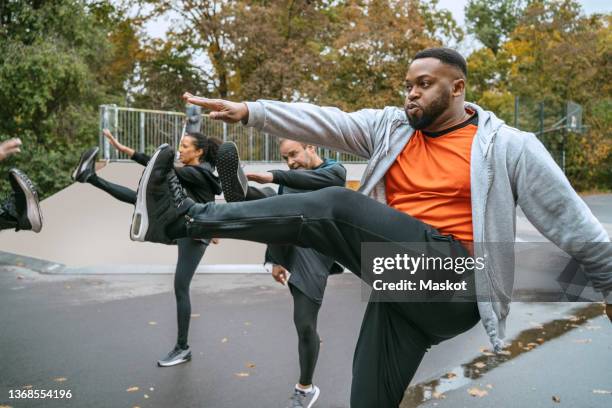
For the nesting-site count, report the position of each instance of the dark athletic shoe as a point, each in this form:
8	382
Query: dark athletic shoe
160	200
24	202
87	165
301	399
234	182
175	357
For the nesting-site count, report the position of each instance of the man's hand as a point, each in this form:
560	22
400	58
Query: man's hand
279	274
609	311
9	147
227	111
261	178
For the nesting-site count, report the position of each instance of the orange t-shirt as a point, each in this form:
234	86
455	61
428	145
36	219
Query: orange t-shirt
430	179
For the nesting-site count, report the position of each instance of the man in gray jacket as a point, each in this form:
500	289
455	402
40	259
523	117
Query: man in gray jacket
494	168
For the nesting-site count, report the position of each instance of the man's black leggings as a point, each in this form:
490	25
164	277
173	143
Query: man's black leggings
305	313
335	221
190	253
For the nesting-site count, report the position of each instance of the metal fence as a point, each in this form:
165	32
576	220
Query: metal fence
144	130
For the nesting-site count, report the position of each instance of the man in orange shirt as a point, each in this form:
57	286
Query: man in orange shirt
440	170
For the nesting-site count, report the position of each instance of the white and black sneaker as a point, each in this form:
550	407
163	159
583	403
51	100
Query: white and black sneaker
234	182
175	357
304	399
160	200
25	201
87	165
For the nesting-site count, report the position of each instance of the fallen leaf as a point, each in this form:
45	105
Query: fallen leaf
582	341
556	399
480	364
132	389
490	386
438	395
146	396
540	340
224	340
60	379
532	344
504	353
27	387
195	315
536	325
242	374
19	277
602	392
477	392
152	323
573	318
250	365
450	375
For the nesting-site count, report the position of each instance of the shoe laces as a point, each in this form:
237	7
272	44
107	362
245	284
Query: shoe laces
28	182
297	399
176	189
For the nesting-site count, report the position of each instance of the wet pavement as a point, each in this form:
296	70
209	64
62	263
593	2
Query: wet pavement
99	337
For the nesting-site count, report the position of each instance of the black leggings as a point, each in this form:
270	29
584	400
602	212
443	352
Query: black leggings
190	253
305	312
336	221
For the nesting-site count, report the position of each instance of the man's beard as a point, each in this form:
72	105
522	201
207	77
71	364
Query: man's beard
429	115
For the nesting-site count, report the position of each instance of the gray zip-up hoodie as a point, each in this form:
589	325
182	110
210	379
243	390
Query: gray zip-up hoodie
508	167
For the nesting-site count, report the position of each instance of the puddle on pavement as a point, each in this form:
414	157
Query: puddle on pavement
526	341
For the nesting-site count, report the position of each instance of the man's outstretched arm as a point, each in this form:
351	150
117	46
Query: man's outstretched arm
323	126
311	179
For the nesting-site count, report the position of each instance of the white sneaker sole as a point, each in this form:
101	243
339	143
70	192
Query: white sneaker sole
140	218
315	397
32	205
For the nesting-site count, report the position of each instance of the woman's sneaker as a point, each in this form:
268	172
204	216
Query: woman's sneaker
160	199
303	399
24	201
87	165
175	357
234	182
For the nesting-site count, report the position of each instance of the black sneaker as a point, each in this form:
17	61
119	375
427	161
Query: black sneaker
175	357
160	200
234	182
25	201
87	165
301	399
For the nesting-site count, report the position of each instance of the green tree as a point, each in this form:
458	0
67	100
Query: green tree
491	21
52	80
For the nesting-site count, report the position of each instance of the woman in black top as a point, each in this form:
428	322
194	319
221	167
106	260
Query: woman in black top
198	155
